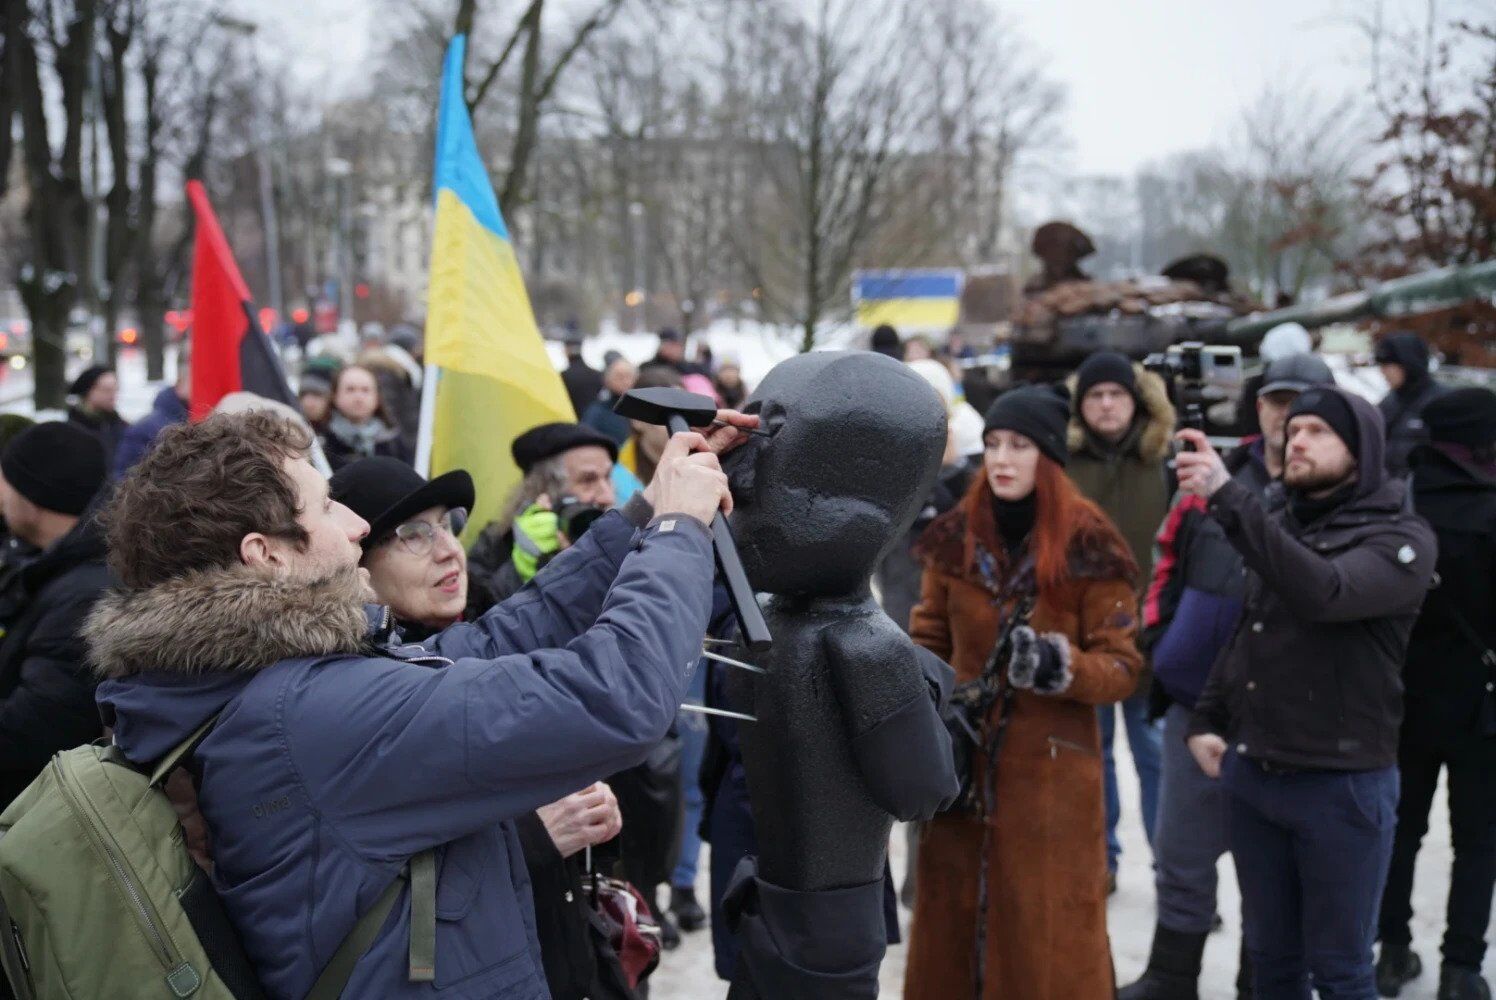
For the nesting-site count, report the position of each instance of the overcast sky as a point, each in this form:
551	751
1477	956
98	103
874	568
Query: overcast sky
1144	78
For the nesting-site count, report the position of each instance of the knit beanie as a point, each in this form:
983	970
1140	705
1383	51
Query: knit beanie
1039	413
1105	366
86	379
1462	416
57	466
1334	409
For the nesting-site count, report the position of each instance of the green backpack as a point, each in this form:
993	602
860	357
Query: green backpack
99	897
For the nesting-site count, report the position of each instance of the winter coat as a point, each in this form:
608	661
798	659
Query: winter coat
1046	926
583	383
1402	408
1311	678
334	760
341	448
46	686
107	428
1198	585
600	417
1446	683
137	439
1129	480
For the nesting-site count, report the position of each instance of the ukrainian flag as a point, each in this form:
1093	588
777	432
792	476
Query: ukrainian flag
907	299
489	378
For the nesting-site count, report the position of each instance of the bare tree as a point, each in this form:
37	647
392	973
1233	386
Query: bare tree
60	37
1433	183
829	108
991	105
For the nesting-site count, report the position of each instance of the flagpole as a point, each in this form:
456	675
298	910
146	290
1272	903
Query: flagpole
428	420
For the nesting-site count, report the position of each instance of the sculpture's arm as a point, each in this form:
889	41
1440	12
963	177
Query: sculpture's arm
889	697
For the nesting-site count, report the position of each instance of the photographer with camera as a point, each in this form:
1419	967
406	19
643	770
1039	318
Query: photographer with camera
567	486
1023	539
1188	616
1300	715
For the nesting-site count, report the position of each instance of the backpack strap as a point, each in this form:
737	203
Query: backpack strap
422	877
420	872
180	752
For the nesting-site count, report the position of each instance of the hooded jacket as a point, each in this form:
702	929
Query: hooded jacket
137	439
46	688
1402	408
1312	676
1128	480
335	758
1447	684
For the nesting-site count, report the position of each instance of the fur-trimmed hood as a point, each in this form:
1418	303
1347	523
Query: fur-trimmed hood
236	620
1157	413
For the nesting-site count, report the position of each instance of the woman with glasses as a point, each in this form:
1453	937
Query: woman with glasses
418	569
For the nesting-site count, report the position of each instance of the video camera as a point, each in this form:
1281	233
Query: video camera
573	517
1198	375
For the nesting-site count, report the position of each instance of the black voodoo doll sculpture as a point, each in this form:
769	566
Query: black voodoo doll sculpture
848	736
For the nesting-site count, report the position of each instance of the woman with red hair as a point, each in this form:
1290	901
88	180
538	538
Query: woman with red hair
1012	904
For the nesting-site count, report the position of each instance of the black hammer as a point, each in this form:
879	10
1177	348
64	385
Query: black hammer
680	410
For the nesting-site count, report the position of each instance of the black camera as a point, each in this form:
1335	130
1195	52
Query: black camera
1198	375
573	517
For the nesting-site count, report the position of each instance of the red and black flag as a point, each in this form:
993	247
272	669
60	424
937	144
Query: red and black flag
230	351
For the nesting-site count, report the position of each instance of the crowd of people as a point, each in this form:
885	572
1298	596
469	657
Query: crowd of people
1297	635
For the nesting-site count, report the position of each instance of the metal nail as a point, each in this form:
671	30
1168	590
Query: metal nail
709	641
689	707
733	663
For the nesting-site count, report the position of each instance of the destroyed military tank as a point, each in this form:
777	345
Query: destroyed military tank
1064	314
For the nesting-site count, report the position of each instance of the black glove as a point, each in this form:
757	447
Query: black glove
1040	663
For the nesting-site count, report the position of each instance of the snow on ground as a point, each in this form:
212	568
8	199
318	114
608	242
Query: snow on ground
686	973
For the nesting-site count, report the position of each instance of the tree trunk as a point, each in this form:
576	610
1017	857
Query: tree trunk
529	116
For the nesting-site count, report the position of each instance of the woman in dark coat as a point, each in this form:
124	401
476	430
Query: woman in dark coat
1023	532
360	426
95	393
418	568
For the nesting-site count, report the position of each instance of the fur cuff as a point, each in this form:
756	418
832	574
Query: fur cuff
1040	663
1054	674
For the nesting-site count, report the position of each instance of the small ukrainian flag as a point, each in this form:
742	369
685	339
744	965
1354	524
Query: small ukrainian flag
908	299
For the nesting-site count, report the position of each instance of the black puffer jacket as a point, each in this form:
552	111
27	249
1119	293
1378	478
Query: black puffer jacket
46	687
1446	681
1312	677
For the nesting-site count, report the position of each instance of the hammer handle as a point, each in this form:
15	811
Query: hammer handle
755	631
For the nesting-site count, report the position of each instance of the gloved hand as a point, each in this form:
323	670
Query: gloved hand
1040	663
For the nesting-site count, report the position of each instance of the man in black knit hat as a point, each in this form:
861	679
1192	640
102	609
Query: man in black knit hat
1449	683
1119	447
1300	716
50	475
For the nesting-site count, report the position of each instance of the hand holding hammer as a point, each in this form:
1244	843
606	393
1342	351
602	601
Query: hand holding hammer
679	410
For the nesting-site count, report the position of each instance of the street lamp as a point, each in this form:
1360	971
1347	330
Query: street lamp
340	170
247	29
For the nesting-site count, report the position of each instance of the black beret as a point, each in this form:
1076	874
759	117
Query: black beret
548	440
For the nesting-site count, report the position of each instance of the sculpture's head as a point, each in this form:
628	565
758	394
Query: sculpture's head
854	442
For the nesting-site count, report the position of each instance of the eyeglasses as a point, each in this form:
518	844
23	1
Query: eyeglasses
419	536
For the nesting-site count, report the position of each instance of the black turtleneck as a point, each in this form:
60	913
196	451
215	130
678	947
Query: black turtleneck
1306	509
1015	519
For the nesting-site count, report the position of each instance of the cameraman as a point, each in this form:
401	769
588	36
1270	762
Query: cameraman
1307	695
564	465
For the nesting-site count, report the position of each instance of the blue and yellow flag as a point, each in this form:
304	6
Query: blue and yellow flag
488	377
910	299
